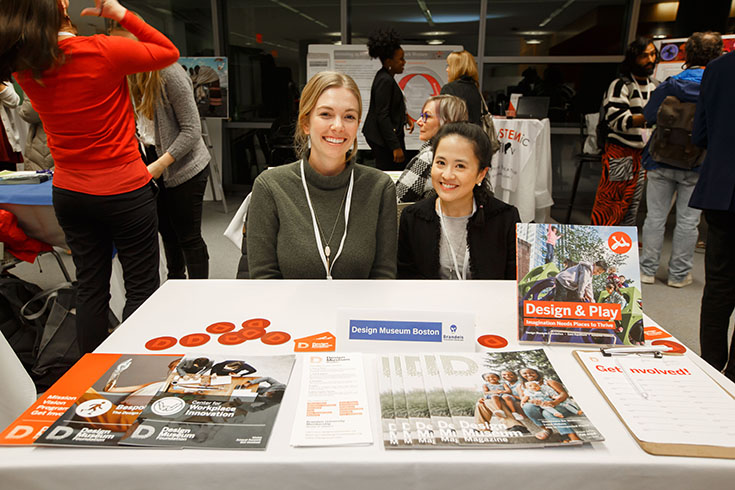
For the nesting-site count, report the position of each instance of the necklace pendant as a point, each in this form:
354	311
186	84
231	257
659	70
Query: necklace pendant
327	251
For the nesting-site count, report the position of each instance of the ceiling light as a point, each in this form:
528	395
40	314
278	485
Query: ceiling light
533	41
659	36
299	12
425	10
555	13
435	41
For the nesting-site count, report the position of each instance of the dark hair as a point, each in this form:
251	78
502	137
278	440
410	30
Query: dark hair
635	49
703	47
383	44
28	38
601	264
473	133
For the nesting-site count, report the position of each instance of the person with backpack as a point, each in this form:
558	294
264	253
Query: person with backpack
672	162
621	183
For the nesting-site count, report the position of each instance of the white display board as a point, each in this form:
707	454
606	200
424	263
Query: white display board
423	76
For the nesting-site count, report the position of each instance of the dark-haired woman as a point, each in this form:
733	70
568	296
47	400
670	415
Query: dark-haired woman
103	193
383	128
464	233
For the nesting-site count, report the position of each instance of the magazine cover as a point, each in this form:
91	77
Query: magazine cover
215	402
406	432
441	418
416	403
578	284
387	407
84	408
511	399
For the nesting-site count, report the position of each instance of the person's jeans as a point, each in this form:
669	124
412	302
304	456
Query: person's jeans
663	183
93	225
537	414
180	225
718	300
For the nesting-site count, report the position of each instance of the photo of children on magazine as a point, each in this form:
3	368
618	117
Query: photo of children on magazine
513	397
578	284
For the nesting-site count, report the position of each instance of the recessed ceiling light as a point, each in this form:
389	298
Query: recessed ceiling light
435	41
533	41
659	36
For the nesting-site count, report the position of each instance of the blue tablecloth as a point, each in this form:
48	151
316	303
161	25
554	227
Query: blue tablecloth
31	194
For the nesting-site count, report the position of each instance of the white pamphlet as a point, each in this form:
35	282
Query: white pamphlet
333	407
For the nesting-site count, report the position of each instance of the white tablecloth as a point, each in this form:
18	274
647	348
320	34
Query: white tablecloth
521	169
306	307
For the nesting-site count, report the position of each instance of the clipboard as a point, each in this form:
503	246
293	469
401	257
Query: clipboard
659	448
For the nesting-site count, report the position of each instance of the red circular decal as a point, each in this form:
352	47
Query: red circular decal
194	340
221	327
256	322
674	347
231	338
492	341
252	333
160	343
275	338
619	242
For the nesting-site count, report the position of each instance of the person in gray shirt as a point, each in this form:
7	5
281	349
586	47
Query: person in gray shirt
575	283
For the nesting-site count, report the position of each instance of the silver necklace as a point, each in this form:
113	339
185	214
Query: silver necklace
325	243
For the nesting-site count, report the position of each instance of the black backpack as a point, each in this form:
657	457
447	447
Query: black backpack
671	142
23	335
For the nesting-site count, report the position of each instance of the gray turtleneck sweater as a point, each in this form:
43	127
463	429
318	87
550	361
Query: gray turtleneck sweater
280	231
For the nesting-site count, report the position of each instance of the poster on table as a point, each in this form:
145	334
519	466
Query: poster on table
211	88
672	53
423	76
578	284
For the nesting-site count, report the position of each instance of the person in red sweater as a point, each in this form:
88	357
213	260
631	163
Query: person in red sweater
103	193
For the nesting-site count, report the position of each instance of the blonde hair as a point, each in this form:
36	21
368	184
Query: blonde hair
146	92
462	63
320	83
450	108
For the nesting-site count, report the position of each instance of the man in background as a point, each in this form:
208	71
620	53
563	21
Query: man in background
714	129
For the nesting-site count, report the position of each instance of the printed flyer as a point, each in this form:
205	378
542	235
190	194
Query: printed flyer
578	284
215	402
94	403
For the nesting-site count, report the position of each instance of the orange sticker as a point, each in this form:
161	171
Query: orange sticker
619	242
256	322
231	338
492	341
275	338
252	333
321	342
160	343
220	327
194	339
674	347
652	332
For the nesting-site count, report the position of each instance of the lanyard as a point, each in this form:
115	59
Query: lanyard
640	90
327	265
466	264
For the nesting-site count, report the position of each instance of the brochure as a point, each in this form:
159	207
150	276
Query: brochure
417	406
93	403
578	284
215	402
333	404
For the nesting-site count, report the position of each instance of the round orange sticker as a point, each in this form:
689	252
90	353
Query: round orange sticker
220	327
194	340
231	338
251	333
619	242
675	347
275	338
256	322
492	341
160	343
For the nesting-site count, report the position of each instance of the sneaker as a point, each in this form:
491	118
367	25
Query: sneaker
680	284
645	279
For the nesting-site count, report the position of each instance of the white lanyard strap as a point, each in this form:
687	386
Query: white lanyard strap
466	264
319	245
648	90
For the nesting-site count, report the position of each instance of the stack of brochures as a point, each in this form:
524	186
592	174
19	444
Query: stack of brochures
23	177
479	400
202	401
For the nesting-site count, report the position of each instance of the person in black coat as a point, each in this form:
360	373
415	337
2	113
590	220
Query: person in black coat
715	194
463	232
463	82
383	128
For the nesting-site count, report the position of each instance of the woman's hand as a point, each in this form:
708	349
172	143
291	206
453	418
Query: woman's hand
409	123
156	168
398	156
109	9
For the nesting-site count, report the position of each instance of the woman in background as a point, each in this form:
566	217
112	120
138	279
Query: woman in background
324	216
37	153
383	128
167	116
463	233
10	146
464	82
414	183
103	193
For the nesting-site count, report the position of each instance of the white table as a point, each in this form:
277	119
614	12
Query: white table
306	307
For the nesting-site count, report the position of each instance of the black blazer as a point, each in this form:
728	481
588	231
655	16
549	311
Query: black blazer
465	88
713	129
387	113
491	233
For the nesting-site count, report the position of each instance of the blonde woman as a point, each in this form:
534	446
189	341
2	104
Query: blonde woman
324	216
464	82
169	126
